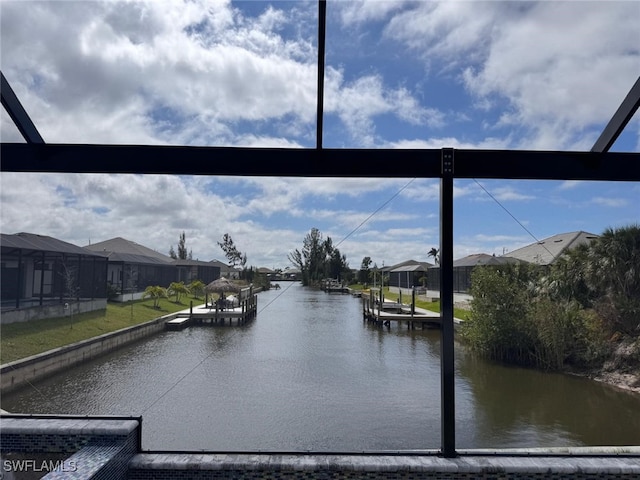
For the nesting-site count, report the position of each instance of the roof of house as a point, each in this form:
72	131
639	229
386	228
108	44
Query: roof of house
186	262
119	249
547	251
476	259
42	243
223	266
408	266
417	267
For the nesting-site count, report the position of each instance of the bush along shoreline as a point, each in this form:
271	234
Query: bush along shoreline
580	315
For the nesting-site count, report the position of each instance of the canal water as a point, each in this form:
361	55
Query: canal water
309	374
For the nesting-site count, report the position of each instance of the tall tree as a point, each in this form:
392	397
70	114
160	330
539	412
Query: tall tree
335	264
235	256
182	247
365	270
310	259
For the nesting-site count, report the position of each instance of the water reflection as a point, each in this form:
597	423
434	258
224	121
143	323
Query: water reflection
521	407
309	373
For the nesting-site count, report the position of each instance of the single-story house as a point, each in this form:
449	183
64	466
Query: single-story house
191	270
408	274
463	267
133	267
544	252
226	271
49	277
292	274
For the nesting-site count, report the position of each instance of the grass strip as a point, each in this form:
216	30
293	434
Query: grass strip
23	339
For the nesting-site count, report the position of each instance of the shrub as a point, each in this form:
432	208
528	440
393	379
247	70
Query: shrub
498	325
555	325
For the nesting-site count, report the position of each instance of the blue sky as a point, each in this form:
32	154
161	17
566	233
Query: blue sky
463	74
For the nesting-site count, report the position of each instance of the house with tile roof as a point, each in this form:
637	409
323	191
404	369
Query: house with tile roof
547	251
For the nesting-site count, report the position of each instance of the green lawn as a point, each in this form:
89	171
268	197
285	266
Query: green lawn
20	340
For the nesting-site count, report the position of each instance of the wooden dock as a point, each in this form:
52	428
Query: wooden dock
380	312
384	313
213	314
334	286
179	322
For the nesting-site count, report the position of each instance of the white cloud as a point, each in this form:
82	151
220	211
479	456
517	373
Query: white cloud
552	62
182	73
609	202
554	66
450	142
499	238
509	193
570	184
357	103
415	232
423	190
153	72
360	11
456	31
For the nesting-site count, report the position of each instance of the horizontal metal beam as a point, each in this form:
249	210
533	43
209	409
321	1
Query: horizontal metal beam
218	160
547	165
372	163
619	121
17	112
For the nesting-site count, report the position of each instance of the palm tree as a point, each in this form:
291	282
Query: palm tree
178	289
617	261
605	275
196	288
435	253
156	292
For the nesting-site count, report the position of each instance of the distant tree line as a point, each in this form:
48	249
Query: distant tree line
572	313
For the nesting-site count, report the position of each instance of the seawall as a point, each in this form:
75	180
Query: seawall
21	372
